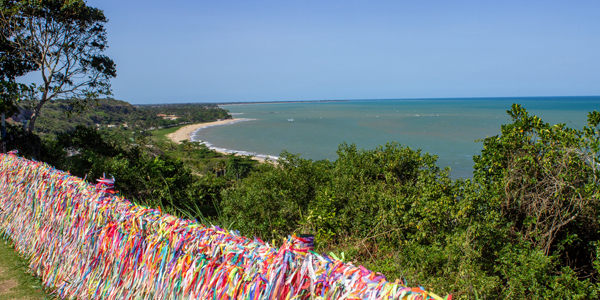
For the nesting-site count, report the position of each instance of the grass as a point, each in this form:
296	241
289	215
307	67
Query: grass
196	157
160	135
15	282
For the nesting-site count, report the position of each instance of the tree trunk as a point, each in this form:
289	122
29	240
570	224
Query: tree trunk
31	124
36	113
3	134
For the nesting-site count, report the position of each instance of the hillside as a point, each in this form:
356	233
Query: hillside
58	116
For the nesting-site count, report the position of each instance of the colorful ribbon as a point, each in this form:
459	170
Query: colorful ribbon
86	243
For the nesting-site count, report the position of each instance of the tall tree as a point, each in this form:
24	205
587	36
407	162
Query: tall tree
12	65
65	41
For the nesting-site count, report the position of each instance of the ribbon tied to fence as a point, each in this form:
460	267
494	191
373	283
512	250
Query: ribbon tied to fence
87	243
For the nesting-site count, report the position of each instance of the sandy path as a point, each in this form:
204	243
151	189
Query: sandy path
184	133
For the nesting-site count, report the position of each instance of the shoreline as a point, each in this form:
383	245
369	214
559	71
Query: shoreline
185	132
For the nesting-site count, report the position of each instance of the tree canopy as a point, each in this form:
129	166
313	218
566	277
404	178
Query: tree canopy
62	39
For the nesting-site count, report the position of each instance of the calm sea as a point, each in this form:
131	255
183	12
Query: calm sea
447	128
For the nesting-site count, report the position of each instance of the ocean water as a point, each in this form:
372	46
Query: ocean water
447	128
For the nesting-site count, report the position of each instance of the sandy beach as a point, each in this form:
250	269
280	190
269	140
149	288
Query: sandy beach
184	132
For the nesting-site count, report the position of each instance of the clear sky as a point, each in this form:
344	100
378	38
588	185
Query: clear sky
221	51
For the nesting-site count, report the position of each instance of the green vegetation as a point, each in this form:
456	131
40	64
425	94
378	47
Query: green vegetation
526	225
160	135
186	112
15	281
63	40
108	114
155	175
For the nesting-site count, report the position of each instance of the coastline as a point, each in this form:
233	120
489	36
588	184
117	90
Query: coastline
185	132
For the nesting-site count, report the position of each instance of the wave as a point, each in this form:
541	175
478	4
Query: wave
193	134
226	150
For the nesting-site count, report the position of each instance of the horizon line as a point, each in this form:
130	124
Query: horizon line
356	99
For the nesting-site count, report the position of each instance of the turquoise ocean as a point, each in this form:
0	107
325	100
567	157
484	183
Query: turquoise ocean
447	128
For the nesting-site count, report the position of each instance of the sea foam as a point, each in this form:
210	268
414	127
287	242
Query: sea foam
194	137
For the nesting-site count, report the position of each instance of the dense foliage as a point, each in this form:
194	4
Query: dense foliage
526	225
186	112
65	41
60	116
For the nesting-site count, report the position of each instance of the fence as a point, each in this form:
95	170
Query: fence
89	244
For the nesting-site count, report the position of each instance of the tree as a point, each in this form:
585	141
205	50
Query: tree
64	40
12	65
545	175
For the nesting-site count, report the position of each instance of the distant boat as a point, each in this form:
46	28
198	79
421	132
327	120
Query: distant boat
291	120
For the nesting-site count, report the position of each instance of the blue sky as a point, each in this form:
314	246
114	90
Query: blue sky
222	51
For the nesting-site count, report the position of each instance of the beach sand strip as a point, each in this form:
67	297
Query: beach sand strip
185	132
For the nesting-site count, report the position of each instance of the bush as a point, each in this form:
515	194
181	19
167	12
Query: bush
271	201
377	194
153	180
543	180
525	227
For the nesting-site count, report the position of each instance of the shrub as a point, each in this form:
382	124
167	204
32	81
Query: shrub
272	200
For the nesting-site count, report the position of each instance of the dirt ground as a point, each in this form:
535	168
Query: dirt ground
6	284
15	282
